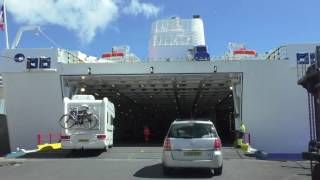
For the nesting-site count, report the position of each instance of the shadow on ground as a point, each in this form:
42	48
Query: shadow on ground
138	145
304	174
59	154
155	171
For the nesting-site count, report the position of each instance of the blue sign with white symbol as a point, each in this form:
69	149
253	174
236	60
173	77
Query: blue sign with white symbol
32	63
19	57
303	58
45	62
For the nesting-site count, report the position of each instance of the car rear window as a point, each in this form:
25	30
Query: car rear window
192	130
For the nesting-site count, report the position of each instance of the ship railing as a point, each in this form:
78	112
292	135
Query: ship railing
280	53
69	57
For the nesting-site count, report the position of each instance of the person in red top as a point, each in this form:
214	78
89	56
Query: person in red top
146	133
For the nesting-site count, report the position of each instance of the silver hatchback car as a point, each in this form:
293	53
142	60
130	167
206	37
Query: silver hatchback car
192	144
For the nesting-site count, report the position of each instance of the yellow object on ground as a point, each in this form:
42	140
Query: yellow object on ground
245	147
44	147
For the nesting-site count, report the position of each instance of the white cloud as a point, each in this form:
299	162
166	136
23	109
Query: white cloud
136	7
84	17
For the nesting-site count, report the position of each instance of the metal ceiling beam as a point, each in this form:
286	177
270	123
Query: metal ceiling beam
196	98
168	91
174	84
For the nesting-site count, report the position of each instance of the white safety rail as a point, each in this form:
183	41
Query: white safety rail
66	57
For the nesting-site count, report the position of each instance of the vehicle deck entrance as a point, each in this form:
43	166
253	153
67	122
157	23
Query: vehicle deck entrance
155	100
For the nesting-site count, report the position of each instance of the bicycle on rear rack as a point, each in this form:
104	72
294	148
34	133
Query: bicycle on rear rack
82	118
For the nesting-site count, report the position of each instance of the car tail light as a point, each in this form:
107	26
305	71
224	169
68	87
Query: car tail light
167	144
65	138
217	144
101	136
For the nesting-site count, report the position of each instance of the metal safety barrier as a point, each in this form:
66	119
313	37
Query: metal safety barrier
48	138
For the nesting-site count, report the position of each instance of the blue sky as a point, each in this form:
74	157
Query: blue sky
260	24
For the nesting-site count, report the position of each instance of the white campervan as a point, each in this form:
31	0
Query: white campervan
87	123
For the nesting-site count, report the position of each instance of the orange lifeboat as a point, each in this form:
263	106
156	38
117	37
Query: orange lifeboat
244	51
112	54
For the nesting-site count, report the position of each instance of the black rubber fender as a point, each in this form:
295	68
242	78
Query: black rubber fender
316	172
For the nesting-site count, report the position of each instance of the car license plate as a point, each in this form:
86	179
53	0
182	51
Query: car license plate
83	140
192	153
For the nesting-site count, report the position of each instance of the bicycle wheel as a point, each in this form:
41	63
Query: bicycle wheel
66	121
90	121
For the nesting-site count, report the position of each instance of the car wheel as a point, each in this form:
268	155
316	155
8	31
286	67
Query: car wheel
166	170
217	171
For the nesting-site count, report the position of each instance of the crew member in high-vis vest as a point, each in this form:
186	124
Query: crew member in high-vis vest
242	131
